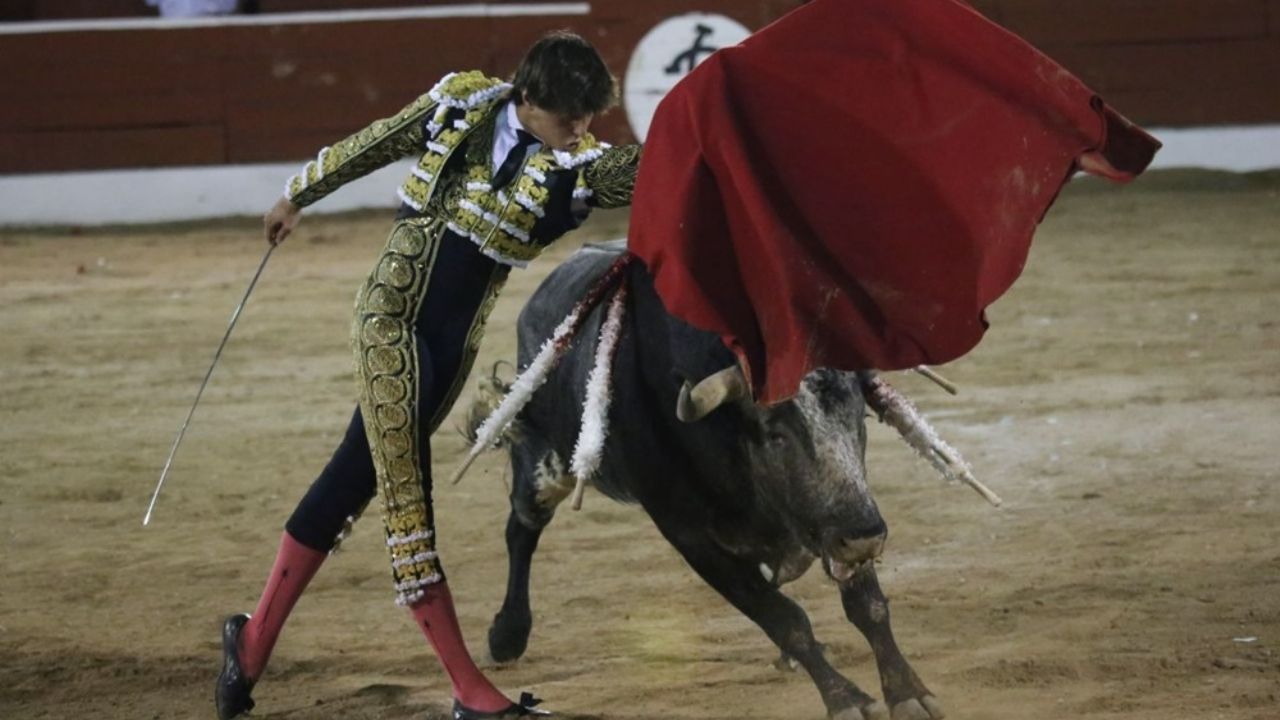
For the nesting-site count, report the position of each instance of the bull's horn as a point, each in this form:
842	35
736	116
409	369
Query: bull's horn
697	401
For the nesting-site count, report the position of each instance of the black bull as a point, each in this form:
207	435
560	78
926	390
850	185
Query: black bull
750	497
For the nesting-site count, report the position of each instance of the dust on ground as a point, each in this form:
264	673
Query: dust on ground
1125	404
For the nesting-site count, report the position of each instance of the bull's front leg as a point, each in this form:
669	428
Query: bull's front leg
538	486
866	607
509	633
740	582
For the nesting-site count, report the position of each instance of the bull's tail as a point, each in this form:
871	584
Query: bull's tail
489	393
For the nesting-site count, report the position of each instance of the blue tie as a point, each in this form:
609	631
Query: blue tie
507	172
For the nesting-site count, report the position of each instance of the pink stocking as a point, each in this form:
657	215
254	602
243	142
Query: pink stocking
435	615
295	565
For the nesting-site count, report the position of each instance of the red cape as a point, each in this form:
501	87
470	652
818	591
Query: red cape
852	186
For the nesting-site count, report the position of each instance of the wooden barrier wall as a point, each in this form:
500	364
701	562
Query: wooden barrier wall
1162	62
261	93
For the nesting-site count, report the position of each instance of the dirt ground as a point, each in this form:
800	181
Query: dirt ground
1126	405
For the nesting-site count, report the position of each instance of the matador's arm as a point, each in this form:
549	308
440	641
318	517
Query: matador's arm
612	177
380	144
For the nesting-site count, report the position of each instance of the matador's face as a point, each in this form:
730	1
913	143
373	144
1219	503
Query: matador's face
555	130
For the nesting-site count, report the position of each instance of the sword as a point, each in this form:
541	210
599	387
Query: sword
230	326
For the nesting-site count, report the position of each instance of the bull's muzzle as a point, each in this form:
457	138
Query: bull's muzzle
861	549
851	555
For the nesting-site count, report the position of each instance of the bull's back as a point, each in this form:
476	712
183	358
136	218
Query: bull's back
553	418
560	292
655	353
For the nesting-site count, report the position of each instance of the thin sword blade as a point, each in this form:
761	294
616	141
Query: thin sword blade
183	431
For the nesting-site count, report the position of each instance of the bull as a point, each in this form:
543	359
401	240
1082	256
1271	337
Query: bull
750	496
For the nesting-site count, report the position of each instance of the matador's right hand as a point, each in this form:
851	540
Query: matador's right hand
280	220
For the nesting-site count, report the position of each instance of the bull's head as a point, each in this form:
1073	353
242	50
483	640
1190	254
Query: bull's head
806	459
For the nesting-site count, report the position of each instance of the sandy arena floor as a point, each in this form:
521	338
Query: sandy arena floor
1126	404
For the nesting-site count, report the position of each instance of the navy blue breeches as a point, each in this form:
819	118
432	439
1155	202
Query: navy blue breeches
461	282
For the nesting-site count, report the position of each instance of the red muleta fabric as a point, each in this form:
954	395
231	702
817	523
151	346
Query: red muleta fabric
853	185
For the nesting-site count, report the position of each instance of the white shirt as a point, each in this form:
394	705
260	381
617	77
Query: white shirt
505	137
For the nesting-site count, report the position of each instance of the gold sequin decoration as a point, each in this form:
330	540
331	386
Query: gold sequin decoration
396	442
386	301
380	144
385	361
394	270
401	469
407	240
387	390
612	177
381	331
390	416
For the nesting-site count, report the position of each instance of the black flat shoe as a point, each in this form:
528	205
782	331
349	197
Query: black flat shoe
231	694
524	708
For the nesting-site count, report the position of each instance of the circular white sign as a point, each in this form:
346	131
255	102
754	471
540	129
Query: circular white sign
669	51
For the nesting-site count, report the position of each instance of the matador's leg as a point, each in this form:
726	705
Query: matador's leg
419	323
410	373
390	376
339	495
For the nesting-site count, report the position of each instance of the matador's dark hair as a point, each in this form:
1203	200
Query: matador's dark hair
564	74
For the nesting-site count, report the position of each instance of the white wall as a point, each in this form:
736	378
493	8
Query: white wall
139	196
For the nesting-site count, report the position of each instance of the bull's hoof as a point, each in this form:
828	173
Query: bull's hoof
785	663
873	711
509	637
925	707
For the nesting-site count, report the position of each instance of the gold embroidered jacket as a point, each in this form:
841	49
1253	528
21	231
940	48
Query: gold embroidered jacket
451	179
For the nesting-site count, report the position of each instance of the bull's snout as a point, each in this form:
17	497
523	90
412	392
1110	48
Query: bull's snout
858	538
846	556
852	551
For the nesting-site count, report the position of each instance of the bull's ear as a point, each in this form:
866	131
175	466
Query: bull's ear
697	401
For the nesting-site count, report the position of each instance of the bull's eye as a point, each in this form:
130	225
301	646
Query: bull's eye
775	438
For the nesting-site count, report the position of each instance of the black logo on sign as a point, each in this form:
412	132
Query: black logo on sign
689	58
